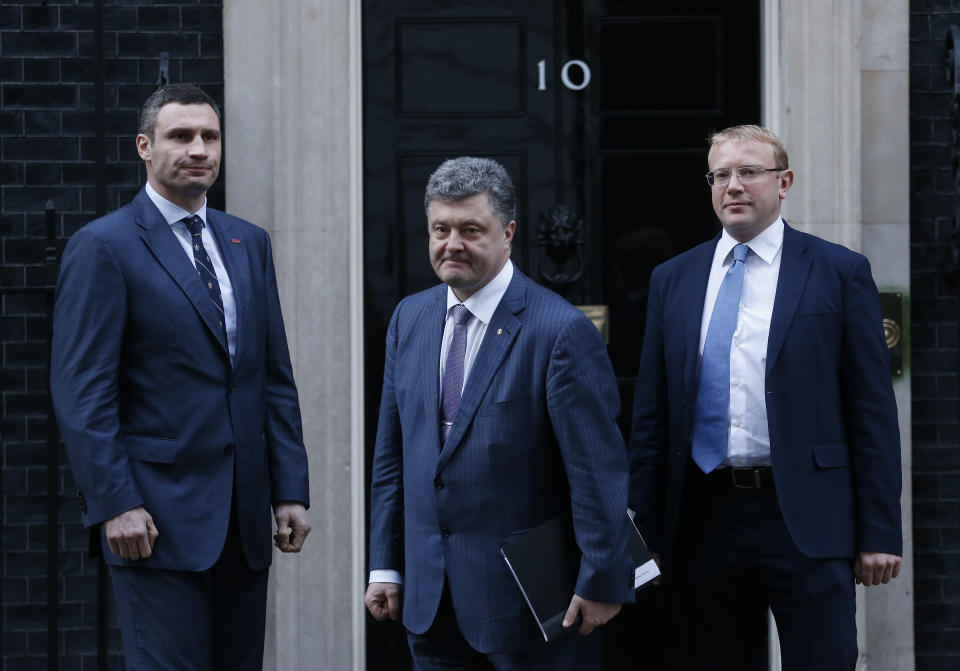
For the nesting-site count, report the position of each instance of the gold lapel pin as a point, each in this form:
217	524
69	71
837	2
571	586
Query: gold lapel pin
499	331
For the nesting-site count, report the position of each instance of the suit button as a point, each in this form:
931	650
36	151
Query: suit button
228	448
438	483
445	532
230	387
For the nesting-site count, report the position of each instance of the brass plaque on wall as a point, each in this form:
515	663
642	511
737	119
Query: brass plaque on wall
600	316
892	305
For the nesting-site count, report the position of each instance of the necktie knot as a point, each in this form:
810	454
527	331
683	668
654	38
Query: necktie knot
461	315
194	224
740	252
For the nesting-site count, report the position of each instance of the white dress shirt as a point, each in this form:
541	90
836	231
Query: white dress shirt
173	214
749	437
481	305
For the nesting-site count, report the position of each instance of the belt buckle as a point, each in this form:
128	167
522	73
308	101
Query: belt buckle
756	484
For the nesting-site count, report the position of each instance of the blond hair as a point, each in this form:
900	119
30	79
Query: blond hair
752	132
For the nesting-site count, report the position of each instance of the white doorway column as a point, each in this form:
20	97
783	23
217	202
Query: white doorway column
836	91
292	153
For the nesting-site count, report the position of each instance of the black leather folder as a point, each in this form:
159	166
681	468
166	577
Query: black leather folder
545	562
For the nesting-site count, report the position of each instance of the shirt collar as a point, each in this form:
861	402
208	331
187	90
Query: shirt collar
765	245
174	213
484	303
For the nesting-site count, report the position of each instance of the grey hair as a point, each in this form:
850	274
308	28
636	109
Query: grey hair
467	176
184	94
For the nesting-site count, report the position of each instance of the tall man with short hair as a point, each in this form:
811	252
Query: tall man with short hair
175	396
765	451
498	413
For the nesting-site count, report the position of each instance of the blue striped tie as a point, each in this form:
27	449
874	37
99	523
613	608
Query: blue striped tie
205	268
709	447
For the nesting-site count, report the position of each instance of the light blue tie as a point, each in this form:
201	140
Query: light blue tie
713	395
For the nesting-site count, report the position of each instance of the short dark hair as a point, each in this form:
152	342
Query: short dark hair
184	94
467	176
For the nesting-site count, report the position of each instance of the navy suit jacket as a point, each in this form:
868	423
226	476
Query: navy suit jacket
151	410
535	436
834	437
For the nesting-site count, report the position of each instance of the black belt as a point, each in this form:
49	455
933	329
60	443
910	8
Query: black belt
758	477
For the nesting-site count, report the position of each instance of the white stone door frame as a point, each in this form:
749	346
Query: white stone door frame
293	151
835	88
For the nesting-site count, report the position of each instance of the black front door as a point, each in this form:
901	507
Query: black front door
599	109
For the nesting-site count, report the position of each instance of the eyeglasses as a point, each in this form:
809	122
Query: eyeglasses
746	174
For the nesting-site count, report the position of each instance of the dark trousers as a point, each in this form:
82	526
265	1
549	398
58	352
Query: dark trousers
443	648
739	559
210	620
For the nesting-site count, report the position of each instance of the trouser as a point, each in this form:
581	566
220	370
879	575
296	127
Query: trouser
736	559
443	647
209	620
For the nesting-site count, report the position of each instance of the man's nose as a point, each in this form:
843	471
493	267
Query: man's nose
454	240
734	184
197	147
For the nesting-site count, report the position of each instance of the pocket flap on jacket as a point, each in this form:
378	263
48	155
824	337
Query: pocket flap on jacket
831	455
150	448
504	405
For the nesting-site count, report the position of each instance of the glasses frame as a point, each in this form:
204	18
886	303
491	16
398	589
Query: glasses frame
737	171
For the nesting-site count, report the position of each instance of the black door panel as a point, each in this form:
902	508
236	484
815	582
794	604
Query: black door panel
625	153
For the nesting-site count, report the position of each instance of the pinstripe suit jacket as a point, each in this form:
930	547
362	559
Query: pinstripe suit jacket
535	436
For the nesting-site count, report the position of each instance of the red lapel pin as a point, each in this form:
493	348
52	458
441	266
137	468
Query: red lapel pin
235	241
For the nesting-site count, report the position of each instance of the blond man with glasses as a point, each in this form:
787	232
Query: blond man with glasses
765	450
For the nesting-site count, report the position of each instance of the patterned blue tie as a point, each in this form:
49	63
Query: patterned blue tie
205	268
453	371
713	395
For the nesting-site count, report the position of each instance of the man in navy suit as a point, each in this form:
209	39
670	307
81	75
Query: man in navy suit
498	413
765	451
175	396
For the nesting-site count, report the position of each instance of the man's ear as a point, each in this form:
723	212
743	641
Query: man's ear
508	232
143	146
786	181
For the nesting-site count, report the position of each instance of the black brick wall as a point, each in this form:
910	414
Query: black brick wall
47	151
935	323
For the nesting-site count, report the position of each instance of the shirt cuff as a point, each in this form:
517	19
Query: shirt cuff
386	575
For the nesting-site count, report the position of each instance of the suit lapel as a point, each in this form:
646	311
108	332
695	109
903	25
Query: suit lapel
234	255
795	265
432	337
693	293
164	245
499	336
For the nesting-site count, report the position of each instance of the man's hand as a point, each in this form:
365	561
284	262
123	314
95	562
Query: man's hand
383	600
292	526
873	568
131	534
594	613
